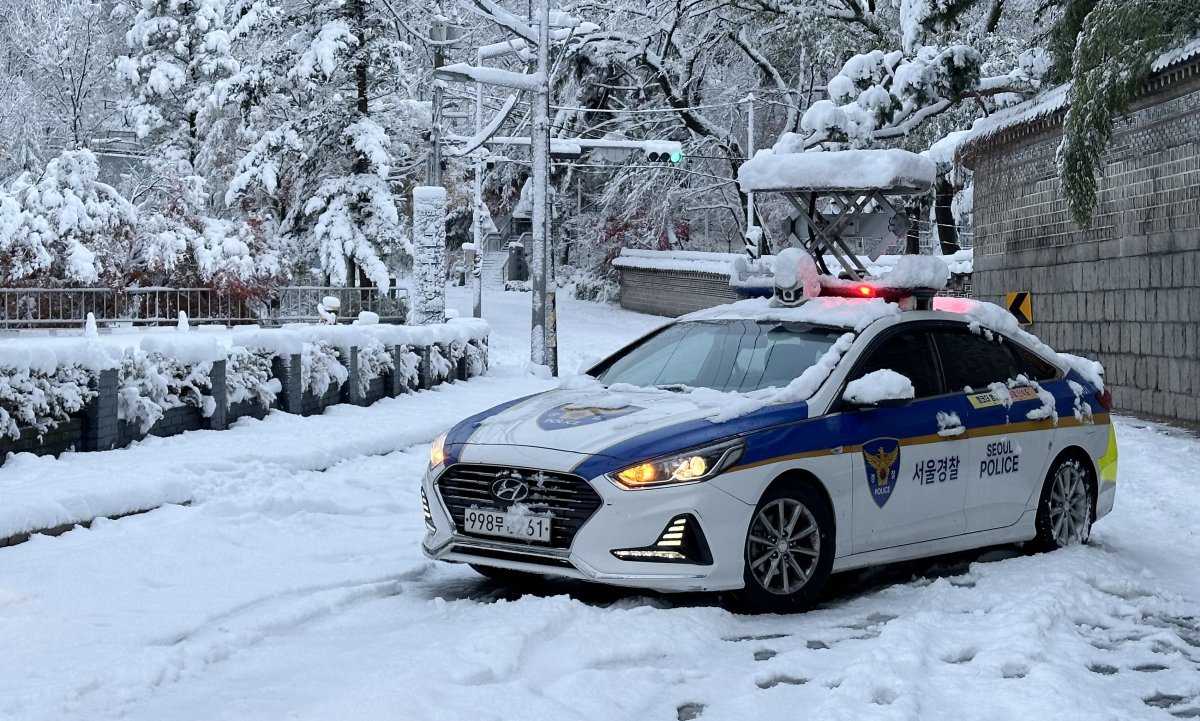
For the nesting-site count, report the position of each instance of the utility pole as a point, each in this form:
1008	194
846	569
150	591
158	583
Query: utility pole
477	209
750	154
544	340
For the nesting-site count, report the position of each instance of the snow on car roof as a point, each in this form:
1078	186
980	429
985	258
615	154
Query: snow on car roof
892	170
853	313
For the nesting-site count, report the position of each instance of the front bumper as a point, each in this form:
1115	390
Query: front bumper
624	520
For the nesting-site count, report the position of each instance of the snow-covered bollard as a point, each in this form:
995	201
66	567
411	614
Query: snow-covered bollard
181	322
89	326
366	317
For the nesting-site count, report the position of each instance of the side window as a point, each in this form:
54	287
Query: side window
972	361
1032	365
909	354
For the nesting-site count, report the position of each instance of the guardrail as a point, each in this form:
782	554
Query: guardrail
69	307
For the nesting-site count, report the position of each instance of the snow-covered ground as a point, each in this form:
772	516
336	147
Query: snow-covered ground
293	587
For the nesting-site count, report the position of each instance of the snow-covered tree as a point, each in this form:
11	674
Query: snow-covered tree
1117	44
179	49
55	79
63	224
327	106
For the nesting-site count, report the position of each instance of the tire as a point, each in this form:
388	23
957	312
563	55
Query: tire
1065	508
788	550
506	576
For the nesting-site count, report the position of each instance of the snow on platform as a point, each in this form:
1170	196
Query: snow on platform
892	171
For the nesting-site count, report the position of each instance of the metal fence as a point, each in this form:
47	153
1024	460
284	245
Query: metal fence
69	307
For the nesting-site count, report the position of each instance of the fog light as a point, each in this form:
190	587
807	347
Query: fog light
428	516
681	541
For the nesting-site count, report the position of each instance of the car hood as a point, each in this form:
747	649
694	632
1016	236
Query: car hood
626	425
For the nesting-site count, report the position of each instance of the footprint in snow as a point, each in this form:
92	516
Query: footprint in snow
963	656
774	681
765	654
1015	670
689	711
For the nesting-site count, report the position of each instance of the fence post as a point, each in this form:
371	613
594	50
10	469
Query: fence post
219	420
287	370
101	428
351	392
462	372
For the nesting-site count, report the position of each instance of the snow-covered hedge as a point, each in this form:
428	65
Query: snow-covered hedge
43	381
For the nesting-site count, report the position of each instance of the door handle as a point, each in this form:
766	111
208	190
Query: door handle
952	432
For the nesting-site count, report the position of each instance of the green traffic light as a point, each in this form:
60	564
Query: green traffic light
677	156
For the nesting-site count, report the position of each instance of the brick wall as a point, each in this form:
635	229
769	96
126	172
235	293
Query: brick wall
1127	290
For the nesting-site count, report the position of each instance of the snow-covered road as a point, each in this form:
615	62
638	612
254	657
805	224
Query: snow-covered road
293	587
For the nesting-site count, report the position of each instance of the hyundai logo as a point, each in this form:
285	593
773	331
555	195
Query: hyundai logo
512	490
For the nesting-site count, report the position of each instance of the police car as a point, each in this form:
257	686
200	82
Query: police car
763	445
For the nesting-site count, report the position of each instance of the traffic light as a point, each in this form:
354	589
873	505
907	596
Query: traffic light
663	151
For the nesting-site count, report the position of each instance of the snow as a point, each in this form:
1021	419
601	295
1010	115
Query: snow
795	268
841	170
959	262
293	587
916	271
853	313
880	385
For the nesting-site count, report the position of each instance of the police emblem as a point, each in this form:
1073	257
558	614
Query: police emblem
569	416
882	459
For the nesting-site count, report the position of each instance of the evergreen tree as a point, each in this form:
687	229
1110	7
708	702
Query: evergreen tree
328	112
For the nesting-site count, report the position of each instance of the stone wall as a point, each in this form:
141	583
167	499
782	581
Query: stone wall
1127	290
672	292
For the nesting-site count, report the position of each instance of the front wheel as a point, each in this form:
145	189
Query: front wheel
1064	516
789	550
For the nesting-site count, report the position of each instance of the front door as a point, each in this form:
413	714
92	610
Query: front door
909	462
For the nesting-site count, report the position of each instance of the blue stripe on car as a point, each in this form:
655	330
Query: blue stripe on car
461	433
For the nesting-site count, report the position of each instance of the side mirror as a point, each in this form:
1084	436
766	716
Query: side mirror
881	389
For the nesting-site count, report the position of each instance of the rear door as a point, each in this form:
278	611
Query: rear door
1010	432
908	468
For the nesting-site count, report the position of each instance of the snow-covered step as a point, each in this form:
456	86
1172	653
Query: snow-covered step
493	270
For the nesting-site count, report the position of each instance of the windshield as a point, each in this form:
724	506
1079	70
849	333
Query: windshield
725	355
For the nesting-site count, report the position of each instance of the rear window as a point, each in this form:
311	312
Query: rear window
725	355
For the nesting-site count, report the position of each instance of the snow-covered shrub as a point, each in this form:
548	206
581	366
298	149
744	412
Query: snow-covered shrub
409	368
476	362
591	286
150	384
248	377
521	286
374	360
320	367
439	363
35	399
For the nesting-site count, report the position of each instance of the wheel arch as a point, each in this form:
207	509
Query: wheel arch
803	477
1081	455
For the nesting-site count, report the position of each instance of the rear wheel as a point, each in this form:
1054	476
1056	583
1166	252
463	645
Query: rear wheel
1064	516
788	550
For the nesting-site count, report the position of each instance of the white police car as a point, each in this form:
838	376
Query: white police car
758	448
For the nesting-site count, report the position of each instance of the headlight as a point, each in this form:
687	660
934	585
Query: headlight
691	466
437	453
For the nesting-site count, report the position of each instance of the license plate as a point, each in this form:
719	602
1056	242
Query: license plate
497	523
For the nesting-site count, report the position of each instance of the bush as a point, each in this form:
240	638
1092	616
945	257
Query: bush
41	401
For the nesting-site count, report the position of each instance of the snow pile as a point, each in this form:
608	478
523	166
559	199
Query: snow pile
877	386
917	271
690	261
841	170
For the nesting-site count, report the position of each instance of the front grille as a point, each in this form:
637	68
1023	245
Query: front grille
567	498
